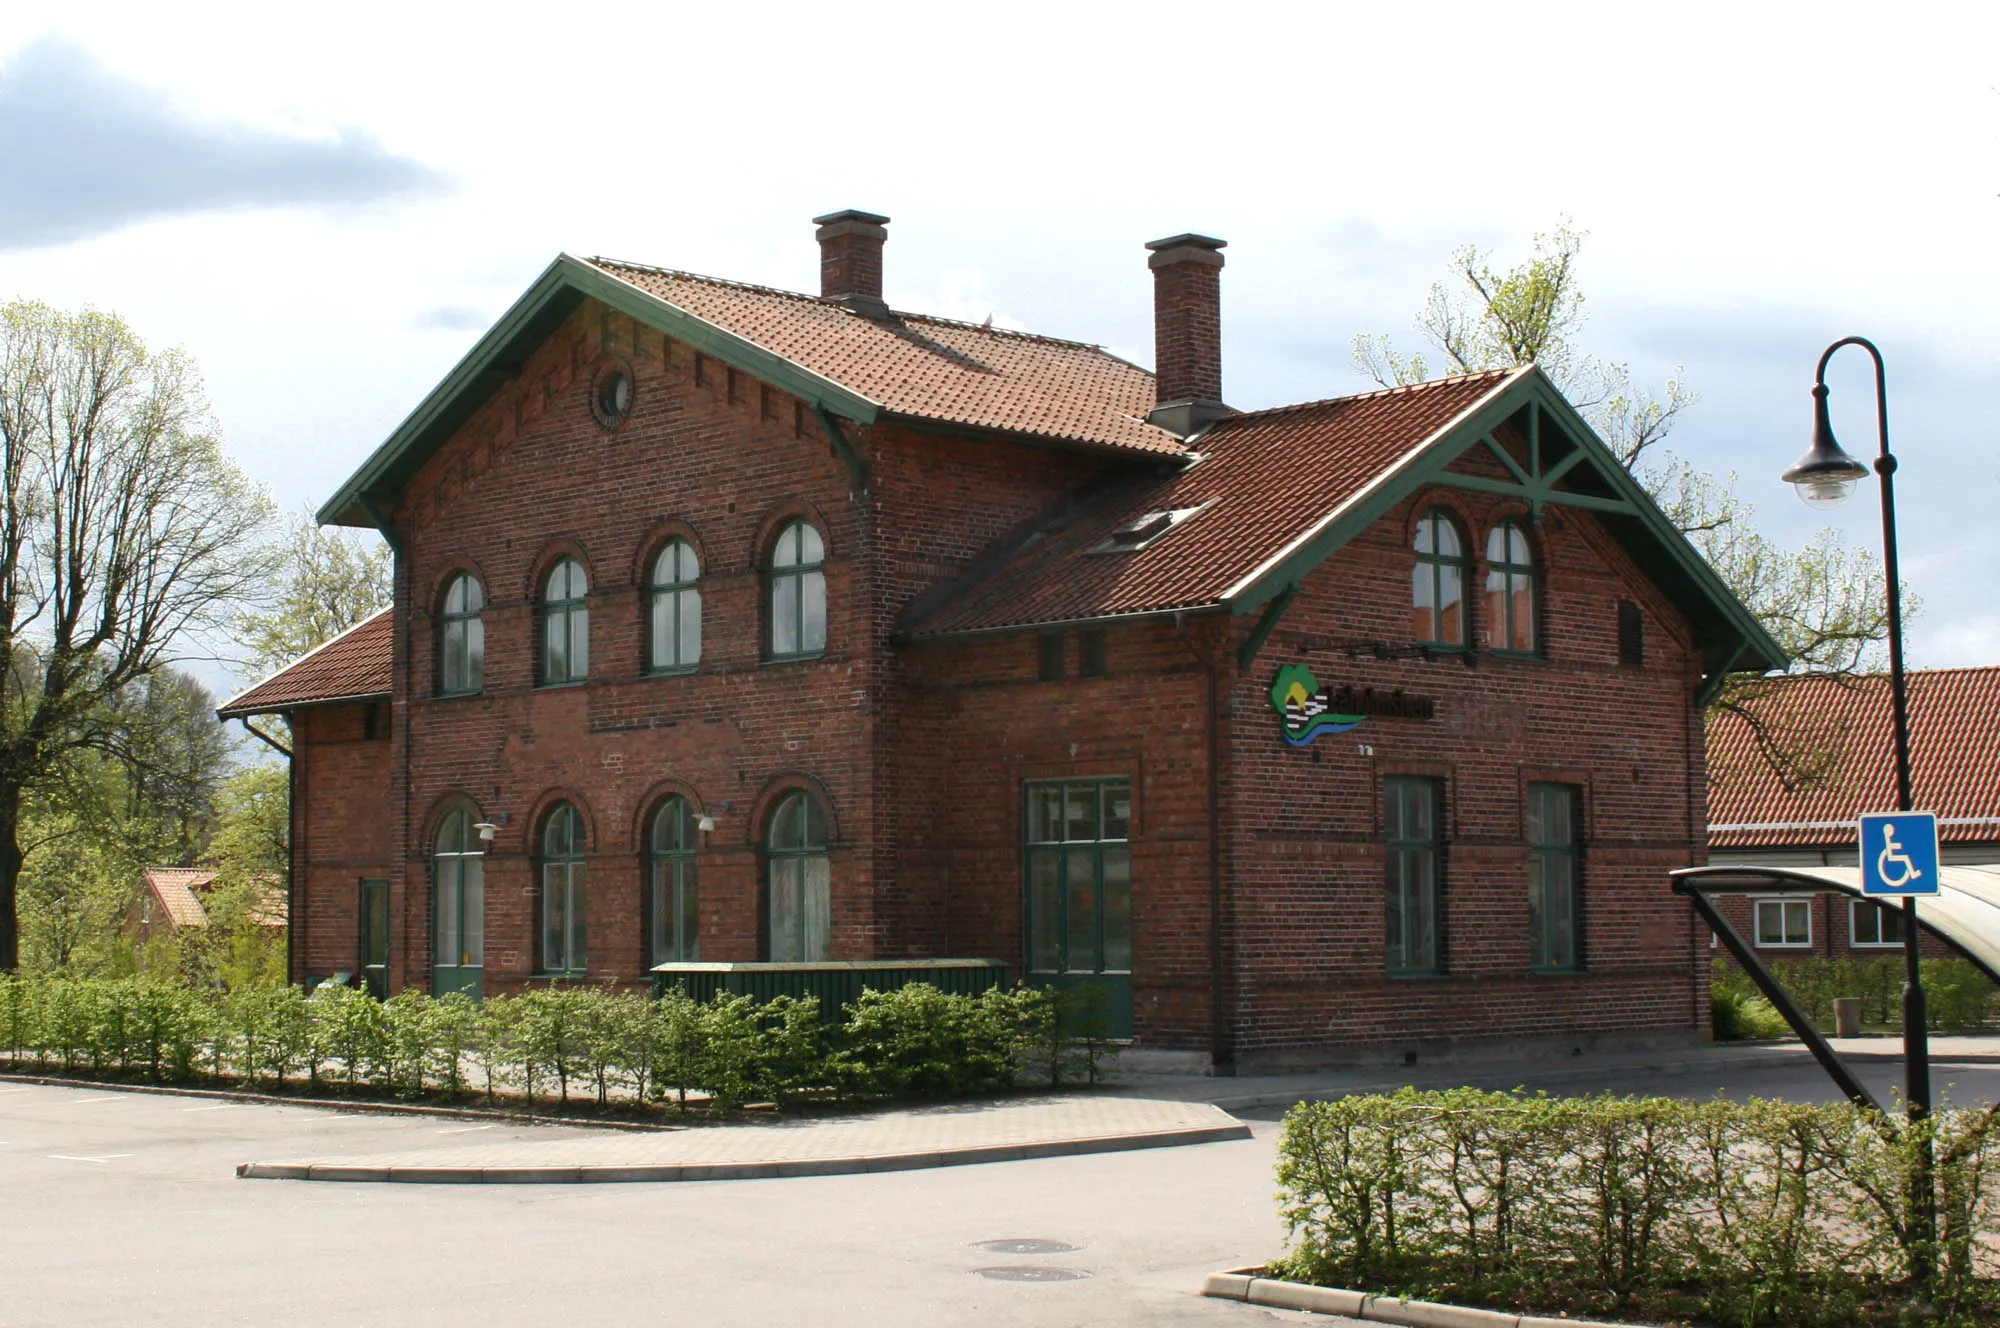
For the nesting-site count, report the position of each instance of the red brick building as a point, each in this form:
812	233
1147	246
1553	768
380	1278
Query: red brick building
750	625
1788	790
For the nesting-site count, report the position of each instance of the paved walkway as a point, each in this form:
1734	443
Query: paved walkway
1619	1071
950	1134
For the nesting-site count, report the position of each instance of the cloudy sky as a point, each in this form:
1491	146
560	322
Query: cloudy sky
326	206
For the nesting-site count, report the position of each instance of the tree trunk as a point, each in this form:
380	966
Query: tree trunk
10	878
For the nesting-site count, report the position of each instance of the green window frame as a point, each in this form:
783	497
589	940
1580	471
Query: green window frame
1511	590
1413	941
1555	879
673	921
565	877
565	624
797	596
798	901
1437	582
458	893
462	638
1077	845
374	912
673	637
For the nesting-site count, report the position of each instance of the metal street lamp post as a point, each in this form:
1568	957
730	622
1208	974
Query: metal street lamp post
1824	477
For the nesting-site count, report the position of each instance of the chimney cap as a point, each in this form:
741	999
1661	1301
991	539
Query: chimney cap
851	214
1188	240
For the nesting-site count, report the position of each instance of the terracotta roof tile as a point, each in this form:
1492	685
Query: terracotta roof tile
1265	481
1954	760
931	368
353	665
175	888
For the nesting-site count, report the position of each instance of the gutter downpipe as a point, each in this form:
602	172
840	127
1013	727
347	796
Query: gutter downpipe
1221	1040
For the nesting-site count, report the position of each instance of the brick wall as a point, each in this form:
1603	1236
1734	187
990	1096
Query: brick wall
342	833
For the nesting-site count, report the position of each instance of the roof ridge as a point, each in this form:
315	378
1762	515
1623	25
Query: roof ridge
331	640
1399	390
828	302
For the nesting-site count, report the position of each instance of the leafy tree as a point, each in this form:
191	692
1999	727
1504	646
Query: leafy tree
329	580
243	944
1821	603
172	752
124	533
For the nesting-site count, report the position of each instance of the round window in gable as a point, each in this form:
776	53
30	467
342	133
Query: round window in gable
611	395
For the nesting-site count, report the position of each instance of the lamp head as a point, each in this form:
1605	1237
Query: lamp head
1825	475
704	822
487	831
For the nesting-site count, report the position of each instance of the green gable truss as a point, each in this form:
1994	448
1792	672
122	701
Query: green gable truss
499	355
1567	465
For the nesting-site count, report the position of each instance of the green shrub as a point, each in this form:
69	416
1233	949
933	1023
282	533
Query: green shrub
1737	1016
1739	1213
349	1029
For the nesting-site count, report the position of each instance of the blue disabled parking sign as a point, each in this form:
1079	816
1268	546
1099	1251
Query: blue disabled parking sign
1899	854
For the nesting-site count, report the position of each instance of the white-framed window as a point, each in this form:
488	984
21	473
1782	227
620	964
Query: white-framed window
1784	923
1874	924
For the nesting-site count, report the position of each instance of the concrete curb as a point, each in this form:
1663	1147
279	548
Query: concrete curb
694	1171
346	1105
1246	1285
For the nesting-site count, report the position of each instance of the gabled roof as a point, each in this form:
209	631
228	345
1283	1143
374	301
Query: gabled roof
1280	490
175	888
840	361
1954	760
357	665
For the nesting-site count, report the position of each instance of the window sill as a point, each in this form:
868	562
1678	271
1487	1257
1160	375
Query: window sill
677	671
805	658
565	975
559	686
457	696
1415	974
1783	945
1568	972
1525	656
1873	945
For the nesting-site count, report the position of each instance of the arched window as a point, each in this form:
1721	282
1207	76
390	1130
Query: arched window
1510	589
674	641
565	624
562	872
798	591
670	849
462	638
1437	586
458	905
801	879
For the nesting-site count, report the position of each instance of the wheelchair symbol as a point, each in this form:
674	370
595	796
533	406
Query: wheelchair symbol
1892	852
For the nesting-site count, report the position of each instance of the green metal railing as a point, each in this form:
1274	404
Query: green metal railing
837	984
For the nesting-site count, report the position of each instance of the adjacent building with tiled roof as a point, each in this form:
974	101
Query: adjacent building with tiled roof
735	624
171	901
1792	772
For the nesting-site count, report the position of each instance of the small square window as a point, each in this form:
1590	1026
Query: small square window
1784	923
1052	656
1874	924
1095	652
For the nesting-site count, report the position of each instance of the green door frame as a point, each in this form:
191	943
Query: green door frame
375	937
1115	984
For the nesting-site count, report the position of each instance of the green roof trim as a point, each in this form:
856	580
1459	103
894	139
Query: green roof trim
499	355
1726	632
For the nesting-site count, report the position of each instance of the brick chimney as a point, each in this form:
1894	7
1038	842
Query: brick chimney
1187	332
850	259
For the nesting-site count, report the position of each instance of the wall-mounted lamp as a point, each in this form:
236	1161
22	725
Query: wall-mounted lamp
487	831
705	823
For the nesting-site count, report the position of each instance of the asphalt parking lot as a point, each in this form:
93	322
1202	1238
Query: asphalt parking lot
127	1211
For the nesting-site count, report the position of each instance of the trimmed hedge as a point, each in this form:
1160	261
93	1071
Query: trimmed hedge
553	1042
1738	1213
1956	994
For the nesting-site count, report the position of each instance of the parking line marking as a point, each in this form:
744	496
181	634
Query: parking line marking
219	1106
69	1157
14	1090
86	1101
466	1129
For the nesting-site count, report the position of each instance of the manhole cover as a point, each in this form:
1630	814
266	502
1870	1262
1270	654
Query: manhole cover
1025	1245
1028	1272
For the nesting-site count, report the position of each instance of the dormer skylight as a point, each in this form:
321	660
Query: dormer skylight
1143	531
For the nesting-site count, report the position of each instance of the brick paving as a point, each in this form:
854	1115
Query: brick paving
900	1139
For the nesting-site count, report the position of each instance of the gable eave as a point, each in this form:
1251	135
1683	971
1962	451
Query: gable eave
1727	633
499	355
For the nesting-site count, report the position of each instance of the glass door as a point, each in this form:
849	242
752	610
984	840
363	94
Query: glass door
375	938
458	908
1079	891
